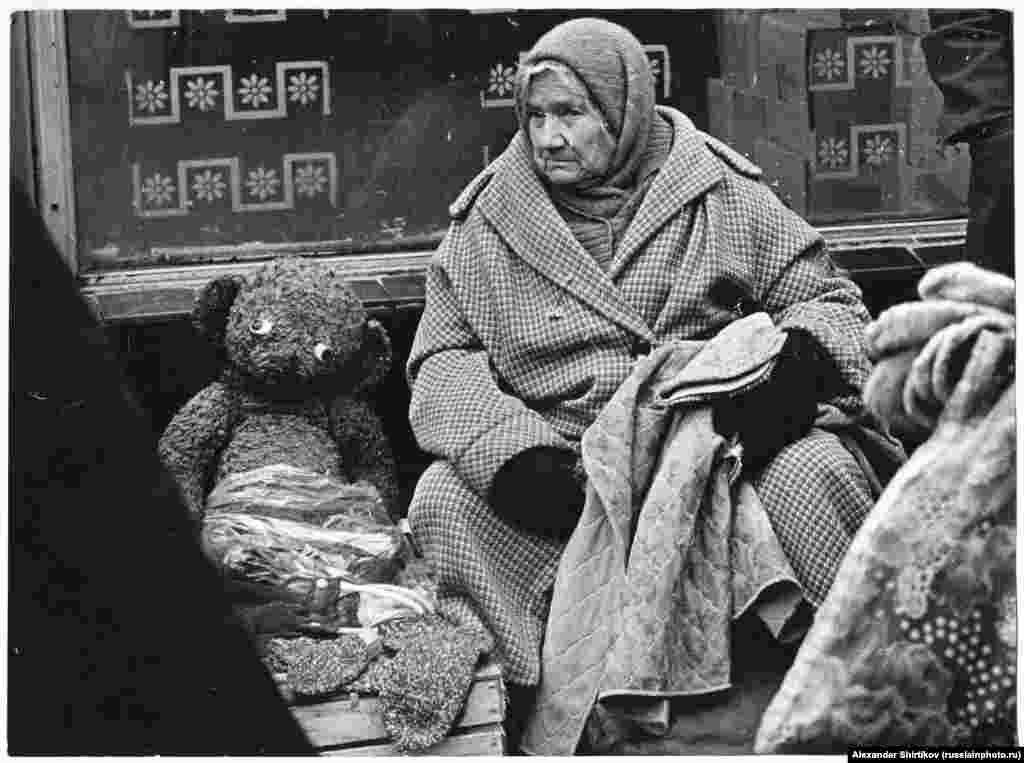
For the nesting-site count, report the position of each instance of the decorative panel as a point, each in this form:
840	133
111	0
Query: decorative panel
205	134
840	107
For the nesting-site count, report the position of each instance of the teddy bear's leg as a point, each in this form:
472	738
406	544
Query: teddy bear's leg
193	440
365	452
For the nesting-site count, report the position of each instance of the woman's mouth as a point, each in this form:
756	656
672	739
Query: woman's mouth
560	165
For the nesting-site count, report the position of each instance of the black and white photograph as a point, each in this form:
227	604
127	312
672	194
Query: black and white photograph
481	381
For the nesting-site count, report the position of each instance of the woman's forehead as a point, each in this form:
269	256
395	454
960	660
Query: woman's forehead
552	81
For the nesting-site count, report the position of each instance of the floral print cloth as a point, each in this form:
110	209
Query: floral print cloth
916	643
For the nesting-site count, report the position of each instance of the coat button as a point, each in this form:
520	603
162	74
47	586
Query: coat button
641	347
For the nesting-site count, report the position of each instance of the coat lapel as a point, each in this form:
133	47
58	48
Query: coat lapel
517	205
689	171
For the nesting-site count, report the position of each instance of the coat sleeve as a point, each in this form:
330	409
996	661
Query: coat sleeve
804	289
458	410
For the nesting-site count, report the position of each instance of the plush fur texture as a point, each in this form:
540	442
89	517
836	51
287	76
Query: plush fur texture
300	356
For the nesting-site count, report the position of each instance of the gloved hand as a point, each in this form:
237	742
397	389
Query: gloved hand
783	408
540	491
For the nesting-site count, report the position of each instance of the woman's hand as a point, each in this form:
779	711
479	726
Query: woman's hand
782	409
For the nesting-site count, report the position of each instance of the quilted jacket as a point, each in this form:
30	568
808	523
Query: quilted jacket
524	338
671	548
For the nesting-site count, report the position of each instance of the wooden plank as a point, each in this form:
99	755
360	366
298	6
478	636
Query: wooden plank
168	292
48	48
156	303
152	285
488	740
22	160
369	290
404	287
344	721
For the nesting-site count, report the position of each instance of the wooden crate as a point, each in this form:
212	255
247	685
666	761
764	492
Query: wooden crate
354	726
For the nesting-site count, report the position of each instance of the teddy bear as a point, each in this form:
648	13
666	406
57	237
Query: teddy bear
300	356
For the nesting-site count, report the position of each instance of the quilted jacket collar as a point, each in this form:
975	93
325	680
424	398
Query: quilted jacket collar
513	199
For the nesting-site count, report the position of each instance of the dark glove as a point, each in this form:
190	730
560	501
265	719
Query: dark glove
783	408
540	491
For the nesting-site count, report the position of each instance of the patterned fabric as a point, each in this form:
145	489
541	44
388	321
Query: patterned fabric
524	339
916	644
480	563
670	549
817	496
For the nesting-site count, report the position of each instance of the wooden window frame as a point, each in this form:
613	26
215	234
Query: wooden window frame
384	278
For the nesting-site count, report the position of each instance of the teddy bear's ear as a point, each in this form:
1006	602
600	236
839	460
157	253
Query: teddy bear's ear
374	356
210	312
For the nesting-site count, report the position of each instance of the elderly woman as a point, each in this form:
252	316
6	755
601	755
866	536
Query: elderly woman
608	226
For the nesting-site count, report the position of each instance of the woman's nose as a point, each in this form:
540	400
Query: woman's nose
550	136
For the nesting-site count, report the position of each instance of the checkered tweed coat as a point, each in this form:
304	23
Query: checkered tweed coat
524	339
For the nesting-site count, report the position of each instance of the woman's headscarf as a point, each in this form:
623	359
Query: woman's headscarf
612	65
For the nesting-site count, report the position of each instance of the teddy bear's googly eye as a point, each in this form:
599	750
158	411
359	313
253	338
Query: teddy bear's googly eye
323	352
261	326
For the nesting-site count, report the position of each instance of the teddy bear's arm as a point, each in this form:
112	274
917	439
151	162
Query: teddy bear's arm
193	440
365	452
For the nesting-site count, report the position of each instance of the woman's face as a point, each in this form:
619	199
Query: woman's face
571	142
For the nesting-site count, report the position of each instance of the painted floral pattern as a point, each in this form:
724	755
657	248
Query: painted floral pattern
209	185
833	153
829	64
158	190
875	62
151	96
255	90
263	183
655	68
502	80
878	150
310	180
303	88
201	93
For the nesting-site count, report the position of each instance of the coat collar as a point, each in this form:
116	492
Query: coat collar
516	203
518	206
690	171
